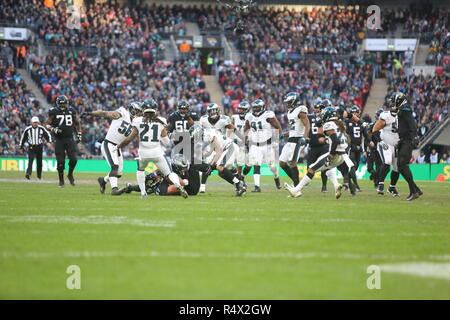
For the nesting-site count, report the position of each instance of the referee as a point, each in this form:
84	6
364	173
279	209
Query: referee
34	136
407	134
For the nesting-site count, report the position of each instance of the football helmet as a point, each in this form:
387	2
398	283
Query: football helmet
149	108
62	102
213	111
378	113
355	109
134	108
328	114
258	107
397	100
183	107
179	164
243	108
291	100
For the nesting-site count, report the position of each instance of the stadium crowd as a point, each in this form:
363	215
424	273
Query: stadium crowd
116	57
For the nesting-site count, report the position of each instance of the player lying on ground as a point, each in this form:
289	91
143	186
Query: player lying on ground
335	130
156	184
152	134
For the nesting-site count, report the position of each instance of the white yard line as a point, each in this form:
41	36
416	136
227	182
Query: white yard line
87	220
219	255
421	269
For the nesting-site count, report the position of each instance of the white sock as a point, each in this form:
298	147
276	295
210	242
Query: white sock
274	170
140	175
305	180
174	178
235	180
256	178
331	174
106	179
203	186
113	182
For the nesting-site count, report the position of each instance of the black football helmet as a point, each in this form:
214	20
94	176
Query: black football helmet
258	107
62	102
291	100
183	107
397	100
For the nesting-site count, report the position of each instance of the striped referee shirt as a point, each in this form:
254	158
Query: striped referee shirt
35	136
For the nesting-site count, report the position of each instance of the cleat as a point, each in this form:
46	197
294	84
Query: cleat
144	196
277	183
183	192
202	188
419	192
27	176
71	179
345	186
102	184
380	189
257	189
338	192
128	188
292	192
413	196
324	189
393	191
116	192
61	185
357	189
240	189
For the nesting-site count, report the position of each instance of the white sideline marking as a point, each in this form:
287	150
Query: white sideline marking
216	255
422	269
88	220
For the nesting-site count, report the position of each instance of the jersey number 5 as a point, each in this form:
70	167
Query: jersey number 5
144	137
67	118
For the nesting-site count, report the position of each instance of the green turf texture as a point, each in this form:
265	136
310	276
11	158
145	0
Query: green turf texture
217	246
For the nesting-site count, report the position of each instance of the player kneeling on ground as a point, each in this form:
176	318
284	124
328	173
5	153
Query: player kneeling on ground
152	134
335	130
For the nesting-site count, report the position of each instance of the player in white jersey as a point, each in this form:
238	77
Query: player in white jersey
335	130
297	135
119	129
238	121
214	121
225	151
258	128
152	134
387	148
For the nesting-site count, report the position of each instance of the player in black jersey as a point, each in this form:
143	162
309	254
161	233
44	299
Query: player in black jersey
374	162
355	132
317	140
157	185
63	122
178	126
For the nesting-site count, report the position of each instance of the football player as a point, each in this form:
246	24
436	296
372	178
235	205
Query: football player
258	128
225	152
152	134
374	162
355	132
119	129
388	126
238	121
297	115
156	184
63	122
178	127
214	121
317	141
335	130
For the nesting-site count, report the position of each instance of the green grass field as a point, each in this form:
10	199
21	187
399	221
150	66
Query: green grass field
217	246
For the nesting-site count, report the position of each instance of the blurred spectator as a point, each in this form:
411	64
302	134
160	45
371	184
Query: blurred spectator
434	157
422	158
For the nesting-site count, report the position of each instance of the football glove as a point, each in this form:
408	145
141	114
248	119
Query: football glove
79	137
56	130
303	141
